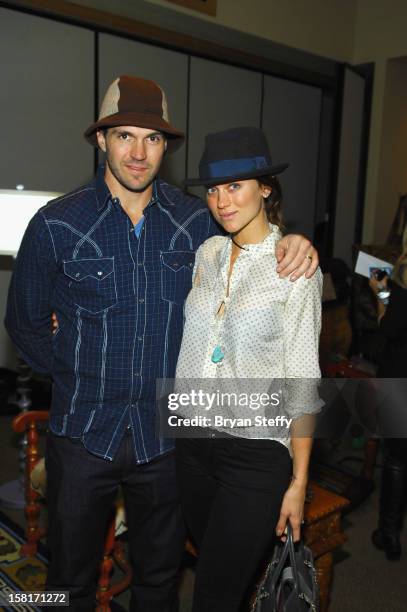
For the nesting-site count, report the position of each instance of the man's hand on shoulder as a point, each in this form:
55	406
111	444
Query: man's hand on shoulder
296	256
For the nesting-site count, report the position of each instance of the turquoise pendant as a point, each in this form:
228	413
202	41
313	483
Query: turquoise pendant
217	355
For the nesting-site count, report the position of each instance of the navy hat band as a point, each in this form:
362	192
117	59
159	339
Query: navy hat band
231	167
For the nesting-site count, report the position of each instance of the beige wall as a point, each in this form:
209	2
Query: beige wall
324	27
380	30
393	150
381	34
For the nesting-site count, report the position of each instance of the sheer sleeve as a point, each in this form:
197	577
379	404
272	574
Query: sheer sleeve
302	326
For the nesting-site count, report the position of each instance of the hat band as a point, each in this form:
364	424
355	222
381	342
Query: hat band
234	167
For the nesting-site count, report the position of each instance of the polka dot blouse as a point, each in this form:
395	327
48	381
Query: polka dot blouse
267	327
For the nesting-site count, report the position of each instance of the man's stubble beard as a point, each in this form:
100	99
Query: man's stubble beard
140	187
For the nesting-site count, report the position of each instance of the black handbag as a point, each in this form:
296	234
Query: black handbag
289	583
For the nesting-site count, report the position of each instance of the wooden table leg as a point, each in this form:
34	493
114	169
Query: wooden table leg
323	566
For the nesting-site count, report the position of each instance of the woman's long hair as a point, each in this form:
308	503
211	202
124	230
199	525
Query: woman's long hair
274	201
399	274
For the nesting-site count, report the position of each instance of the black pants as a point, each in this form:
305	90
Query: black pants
231	493
81	492
396	451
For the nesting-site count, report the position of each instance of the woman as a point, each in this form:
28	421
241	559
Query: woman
393	364
244	322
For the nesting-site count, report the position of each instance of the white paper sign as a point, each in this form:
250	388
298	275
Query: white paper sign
366	263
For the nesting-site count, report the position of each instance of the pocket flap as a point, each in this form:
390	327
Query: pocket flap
175	260
98	268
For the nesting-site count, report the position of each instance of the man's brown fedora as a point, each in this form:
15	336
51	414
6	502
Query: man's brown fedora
138	102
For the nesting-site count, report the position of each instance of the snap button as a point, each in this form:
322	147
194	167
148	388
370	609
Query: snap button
100	273
77	274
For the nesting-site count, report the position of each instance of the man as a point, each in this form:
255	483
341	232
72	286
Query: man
113	260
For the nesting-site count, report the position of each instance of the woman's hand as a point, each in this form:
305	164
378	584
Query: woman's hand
292	509
295	254
376	286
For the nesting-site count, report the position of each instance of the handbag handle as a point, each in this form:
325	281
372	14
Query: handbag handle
302	589
288	550
279	567
293	561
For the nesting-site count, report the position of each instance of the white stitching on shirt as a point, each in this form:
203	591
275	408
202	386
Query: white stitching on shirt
77	232
91	230
77	349
180	227
184	226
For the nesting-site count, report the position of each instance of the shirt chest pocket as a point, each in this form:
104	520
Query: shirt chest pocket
91	283
176	275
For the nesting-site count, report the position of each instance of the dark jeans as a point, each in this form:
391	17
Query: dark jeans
81	492
231	493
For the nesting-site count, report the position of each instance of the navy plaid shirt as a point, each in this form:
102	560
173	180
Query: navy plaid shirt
119	302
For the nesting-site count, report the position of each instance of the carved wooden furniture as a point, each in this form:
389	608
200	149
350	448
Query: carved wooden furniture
323	533
113	550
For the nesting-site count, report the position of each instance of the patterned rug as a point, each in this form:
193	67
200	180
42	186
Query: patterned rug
18	573
21	574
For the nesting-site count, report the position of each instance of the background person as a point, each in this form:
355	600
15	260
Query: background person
393	364
241	322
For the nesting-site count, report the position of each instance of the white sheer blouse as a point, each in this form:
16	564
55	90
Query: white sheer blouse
269	326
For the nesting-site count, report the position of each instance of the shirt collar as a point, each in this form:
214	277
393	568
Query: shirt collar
160	192
103	194
267	246
154	195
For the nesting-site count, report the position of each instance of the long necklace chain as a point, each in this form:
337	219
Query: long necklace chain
218	352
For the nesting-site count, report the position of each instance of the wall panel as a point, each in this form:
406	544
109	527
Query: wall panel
347	194
291	117
221	97
46	102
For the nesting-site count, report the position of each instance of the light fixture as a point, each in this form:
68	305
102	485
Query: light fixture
17	207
